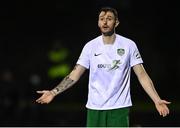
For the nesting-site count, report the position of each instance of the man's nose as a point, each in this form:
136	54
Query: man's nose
105	21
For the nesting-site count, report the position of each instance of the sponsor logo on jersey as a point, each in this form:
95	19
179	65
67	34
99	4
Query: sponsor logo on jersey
138	55
104	66
115	65
97	54
120	51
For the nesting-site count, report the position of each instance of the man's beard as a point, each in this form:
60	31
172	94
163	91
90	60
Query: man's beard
110	33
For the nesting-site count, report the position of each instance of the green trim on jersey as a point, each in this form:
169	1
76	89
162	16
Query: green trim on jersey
108	118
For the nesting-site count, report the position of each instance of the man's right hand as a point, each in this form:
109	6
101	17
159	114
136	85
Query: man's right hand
47	97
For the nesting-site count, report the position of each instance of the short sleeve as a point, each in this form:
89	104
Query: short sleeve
84	57
135	57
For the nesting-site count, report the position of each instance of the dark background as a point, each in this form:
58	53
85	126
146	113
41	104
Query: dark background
30	29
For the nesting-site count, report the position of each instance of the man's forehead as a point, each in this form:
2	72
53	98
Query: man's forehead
108	13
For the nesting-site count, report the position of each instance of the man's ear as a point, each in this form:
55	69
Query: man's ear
117	23
98	24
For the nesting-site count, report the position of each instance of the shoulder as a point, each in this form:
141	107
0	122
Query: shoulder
92	42
125	41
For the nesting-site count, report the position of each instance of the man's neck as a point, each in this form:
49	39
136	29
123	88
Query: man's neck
109	39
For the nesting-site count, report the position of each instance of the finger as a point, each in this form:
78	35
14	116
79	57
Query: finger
163	113
40	92
40	99
160	113
165	102
166	111
41	102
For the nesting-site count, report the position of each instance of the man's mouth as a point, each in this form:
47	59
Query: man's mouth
105	27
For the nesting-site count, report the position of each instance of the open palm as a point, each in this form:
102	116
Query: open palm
46	97
162	108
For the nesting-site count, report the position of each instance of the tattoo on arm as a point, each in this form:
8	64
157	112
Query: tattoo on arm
75	66
64	84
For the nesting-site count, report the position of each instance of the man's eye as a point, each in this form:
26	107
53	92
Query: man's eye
109	19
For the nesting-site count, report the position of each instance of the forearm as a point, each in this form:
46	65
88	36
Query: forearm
69	80
148	86
66	83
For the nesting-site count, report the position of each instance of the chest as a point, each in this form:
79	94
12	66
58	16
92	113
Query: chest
109	57
109	53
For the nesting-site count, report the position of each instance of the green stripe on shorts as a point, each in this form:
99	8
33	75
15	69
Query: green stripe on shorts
108	118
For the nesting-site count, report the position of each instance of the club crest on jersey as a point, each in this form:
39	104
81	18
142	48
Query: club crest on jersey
120	51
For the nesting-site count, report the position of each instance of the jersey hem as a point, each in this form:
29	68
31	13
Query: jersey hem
82	65
108	108
136	64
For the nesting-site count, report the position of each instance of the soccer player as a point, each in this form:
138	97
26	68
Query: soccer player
109	57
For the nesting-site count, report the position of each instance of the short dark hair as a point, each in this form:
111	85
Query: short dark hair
109	9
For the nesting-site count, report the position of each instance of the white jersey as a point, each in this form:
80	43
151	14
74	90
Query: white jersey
110	67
